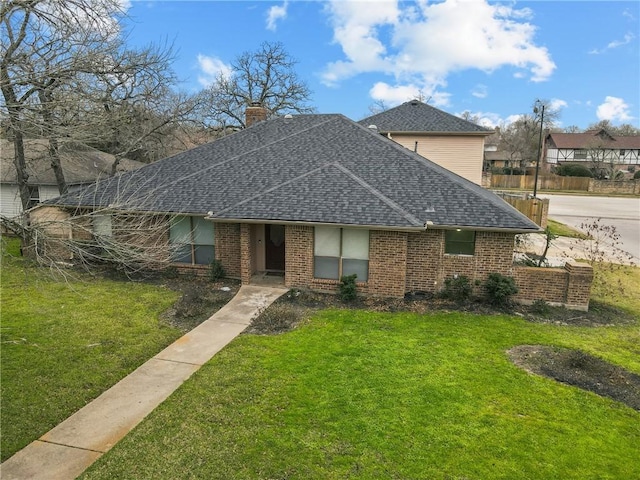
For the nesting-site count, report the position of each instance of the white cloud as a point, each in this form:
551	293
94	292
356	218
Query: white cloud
397	94
211	68
557	104
480	91
614	109
275	13
485	119
628	38
422	44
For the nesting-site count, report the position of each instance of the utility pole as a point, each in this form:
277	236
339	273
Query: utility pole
536	109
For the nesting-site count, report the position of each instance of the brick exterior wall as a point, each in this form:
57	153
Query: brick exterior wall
569	286
298	256
428	266
227	247
246	259
399	262
387	263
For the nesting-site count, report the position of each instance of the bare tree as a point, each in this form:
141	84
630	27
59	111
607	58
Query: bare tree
624	130
266	76
603	156
110	223
520	139
67	76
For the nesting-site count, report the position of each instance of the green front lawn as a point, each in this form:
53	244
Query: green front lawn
356	394
64	343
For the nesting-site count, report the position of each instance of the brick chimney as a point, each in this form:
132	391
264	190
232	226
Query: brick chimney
255	113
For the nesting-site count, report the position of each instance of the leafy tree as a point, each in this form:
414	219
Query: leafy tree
265	76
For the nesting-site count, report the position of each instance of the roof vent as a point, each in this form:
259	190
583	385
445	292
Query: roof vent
288	117
414	102
373	128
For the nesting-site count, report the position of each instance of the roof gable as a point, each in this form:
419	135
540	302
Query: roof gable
309	168
418	117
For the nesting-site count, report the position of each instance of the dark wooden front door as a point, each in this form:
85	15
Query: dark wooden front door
274	247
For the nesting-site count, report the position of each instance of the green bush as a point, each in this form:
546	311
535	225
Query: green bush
574	171
636	175
216	271
348	288
541	307
457	288
513	171
499	289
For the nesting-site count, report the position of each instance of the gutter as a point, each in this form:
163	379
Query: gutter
427	226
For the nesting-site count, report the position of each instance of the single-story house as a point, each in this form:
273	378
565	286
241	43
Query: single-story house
449	141
81	165
315	197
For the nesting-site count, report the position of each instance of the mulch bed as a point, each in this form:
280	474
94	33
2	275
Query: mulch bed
579	369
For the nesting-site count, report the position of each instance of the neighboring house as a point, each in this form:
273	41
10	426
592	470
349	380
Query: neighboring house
449	141
81	166
592	146
316	197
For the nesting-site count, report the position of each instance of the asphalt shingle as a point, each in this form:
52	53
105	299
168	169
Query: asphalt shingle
309	168
418	117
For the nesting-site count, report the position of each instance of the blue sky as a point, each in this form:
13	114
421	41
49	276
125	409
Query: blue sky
493	59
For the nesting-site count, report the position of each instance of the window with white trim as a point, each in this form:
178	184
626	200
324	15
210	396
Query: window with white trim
192	240
341	251
460	242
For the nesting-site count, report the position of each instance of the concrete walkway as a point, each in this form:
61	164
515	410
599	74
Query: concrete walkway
70	448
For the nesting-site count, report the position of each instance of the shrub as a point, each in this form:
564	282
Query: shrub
216	271
513	171
457	288
348	288
499	289
573	171
636	175
541	307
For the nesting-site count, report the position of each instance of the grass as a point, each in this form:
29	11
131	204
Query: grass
357	394
64	343
563	230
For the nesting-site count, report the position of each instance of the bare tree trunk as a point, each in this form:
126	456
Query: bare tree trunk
54	155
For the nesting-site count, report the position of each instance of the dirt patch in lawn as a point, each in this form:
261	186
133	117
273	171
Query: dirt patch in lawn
579	369
199	299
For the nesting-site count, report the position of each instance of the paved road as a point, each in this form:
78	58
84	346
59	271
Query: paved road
621	212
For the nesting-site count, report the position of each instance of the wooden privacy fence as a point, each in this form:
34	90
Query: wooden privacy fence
536	209
556	182
545	182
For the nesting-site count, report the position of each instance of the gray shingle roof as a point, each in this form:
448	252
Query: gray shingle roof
310	168
418	117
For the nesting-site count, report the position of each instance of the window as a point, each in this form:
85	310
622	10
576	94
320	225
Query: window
34	196
579	154
460	242
341	251
102	226
191	239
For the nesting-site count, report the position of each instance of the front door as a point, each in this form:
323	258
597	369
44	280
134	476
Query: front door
274	247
